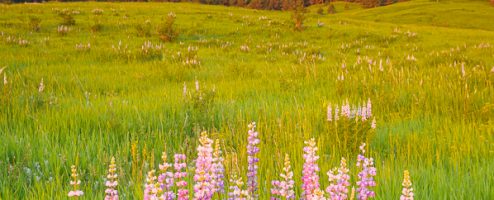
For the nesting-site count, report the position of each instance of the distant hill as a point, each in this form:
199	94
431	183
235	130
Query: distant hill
468	14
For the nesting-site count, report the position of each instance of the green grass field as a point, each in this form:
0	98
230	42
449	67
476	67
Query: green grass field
427	67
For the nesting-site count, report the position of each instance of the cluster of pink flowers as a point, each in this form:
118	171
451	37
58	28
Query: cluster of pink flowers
150	189
75	182
180	174
218	170
365	176
209	176
339	182
112	183
284	189
165	180
203	189
310	178
252	160
362	112
407	192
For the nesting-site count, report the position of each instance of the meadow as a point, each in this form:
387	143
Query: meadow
107	86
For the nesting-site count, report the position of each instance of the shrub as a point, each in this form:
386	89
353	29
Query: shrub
96	26
67	18
331	9
320	11
34	23
144	30
166	31
298	15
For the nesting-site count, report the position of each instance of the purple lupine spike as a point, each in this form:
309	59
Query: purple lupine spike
165	180
150	189
339	182
203	189
180	174
310	178
369	108
329	113
365	176
284	189
252	160
218	170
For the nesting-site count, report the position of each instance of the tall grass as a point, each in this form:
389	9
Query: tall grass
431	90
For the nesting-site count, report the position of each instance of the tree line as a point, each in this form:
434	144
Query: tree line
254	4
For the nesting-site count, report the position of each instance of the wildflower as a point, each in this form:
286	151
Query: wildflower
369	108
373	124
203	187
284	188
197	85
310	178
252	160
365	176
112	183
165	180
218	169
345	109
407	192
75	192
150	189
318	195
185	90
41	87
236	191
339	182
381	68
179	165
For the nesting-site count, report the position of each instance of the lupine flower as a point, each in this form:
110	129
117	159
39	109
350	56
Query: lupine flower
252	160
179	165
236	191
317	195
345	109
150	189
310	178
203	189
75	182
41	87
339	182
197	85
407	192
365	176
284	188
373	124
111	182
165	180
329	113
218	170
